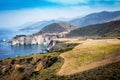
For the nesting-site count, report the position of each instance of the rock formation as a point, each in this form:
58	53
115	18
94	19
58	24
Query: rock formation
30	40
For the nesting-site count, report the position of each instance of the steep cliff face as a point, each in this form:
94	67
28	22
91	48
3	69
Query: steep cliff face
46	39
31	40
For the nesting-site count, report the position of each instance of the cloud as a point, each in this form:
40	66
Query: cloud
15	18
69	2
27	4
117	2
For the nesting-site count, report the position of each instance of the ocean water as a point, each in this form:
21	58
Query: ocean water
8	51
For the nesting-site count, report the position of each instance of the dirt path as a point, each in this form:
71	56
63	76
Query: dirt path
88	66
67	69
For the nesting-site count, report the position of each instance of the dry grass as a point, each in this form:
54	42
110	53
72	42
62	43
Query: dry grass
90	54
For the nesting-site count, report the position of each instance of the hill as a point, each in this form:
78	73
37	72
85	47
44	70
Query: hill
109	29
95	18
57	28
36	26
36	66
75	60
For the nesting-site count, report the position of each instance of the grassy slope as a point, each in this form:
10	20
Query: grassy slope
57	27
109	29
25	67
92	51
106	72
50	72
87	52
22	67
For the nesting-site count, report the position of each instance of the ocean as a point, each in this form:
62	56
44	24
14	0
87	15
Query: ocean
8	51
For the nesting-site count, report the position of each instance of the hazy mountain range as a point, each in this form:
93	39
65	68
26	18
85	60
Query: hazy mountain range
94	18
38	25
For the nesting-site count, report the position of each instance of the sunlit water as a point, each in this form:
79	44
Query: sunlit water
8	51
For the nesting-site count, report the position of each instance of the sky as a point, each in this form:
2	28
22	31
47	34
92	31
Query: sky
15	13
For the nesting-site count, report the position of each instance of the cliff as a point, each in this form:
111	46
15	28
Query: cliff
31	40
45	39
45	35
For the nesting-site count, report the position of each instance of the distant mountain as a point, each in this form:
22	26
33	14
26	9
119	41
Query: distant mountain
109	29
63	19
57	28
37	26
96	18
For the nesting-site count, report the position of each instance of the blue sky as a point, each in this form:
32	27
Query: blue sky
18	12
22	4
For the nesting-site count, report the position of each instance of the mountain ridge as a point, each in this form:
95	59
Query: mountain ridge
108	29
57	28
38	25
95	18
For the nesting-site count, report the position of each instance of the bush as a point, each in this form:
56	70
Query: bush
35	73
13	61
21	69
29	59
25	78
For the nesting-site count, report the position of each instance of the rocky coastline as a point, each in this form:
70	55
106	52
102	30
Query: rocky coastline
30	40
47	40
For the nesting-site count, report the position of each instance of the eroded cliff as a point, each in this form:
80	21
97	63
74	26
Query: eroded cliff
31	40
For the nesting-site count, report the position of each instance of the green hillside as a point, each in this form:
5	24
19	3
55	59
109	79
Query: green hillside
109	29
57	28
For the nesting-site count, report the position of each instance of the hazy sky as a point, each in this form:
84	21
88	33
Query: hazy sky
14	13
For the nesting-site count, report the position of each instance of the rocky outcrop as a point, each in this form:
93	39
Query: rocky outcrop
51	45
46	39
31	40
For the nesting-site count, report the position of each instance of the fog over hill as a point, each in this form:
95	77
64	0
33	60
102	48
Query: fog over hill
95	18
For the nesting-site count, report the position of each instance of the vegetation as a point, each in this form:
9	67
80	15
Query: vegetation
92	53
88	52
48	72
19	36
48	66
109	29
63	47
36	66
21	69
57	28
107	72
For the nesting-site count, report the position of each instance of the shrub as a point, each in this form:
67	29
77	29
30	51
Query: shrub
35	73
25	78
29	59
13	61
21	69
